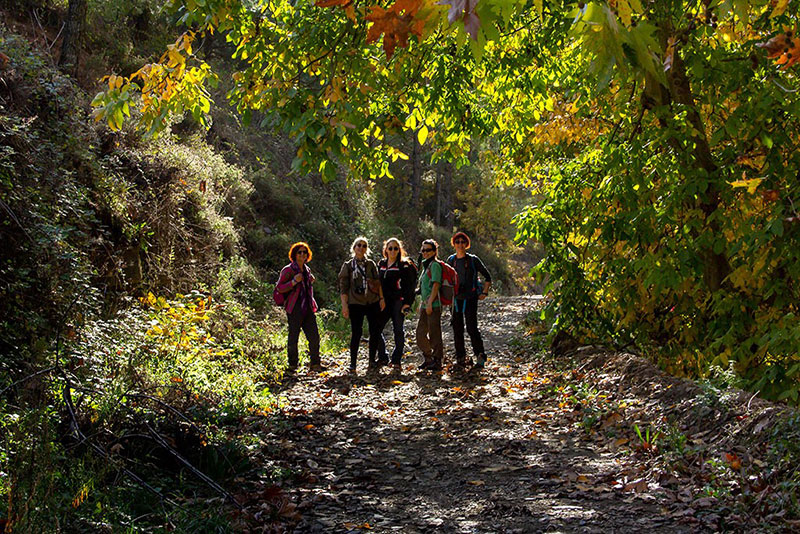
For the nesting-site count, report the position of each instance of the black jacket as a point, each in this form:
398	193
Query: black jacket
468	270
398	281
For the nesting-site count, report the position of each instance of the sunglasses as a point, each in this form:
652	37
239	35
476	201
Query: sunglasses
301	252
392	248
361	245
424	250
459	242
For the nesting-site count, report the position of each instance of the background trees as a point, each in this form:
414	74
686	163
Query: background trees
659	139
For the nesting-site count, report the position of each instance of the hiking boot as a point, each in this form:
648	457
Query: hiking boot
397	368
317	368
291	369
382	362
480	361
426	365
351	369
460	366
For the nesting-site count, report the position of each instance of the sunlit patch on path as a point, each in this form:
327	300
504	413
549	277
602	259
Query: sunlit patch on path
441	453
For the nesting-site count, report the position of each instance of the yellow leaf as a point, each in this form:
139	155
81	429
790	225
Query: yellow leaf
780	8
751	184
624	10
422	134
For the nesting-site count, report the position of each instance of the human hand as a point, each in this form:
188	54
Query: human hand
382	304
345	313
482	296
429	308
298	278
311	277
405	309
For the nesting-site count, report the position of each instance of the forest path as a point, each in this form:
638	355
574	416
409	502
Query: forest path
439	453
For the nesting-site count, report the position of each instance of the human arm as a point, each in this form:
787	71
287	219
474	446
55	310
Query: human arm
432	298
382	300
408	285
487	277
286	281
435	271
344	289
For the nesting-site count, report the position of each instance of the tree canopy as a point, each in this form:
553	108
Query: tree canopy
659	139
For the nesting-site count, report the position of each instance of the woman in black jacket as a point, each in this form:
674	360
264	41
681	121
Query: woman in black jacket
398	279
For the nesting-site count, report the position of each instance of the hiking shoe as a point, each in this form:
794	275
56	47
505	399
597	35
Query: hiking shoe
290	370
457	369
397	368
352	369
480	362
317	368
383	362
426	365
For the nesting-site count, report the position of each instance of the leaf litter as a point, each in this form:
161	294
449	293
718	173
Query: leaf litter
610	444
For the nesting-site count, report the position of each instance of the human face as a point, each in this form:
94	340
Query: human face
460	244
360	249
301	255
392	250
427	251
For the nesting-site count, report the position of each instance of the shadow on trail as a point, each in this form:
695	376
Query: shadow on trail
420	452
451	472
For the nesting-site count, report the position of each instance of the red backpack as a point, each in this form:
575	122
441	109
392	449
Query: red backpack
449	287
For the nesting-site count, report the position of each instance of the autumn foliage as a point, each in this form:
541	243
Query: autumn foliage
658	139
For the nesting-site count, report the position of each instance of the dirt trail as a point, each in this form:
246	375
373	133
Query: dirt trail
438	453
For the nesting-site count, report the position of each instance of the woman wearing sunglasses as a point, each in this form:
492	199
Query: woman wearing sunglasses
465	305
362	296
429	326
296	284
398	280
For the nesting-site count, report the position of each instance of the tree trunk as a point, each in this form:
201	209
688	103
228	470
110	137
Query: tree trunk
73	37
716	266
438	195
446	192
415	178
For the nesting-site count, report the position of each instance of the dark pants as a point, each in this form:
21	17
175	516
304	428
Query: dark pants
466	309
308	324
394	313
357	313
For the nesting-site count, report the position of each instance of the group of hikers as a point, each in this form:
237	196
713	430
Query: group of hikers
386	292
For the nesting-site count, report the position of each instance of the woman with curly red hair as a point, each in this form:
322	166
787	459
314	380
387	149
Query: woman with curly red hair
296	284
465	305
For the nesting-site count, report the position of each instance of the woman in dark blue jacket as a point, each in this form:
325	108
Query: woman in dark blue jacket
398	278
465	305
